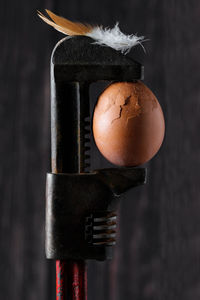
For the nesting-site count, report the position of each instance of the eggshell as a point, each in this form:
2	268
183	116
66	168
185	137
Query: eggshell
128	124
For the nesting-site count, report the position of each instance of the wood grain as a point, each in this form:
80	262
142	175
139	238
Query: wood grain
158	251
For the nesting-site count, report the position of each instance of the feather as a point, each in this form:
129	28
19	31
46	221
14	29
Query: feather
111	37
65	26
49	22
114	38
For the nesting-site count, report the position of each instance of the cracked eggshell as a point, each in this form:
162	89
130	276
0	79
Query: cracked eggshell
128	124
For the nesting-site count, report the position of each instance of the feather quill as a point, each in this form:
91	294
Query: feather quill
111	37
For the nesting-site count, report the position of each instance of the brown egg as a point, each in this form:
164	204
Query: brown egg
128	124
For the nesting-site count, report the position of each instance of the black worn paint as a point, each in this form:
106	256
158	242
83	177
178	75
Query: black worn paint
78	205
158	250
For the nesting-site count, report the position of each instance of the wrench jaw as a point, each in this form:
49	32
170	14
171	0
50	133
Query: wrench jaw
81	204
75	64
79	59
81	218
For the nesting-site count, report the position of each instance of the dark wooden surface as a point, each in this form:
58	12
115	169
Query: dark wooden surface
158	251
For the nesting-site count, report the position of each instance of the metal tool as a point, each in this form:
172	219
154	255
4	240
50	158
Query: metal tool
81	206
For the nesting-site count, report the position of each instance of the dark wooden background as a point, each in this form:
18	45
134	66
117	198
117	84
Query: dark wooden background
158	251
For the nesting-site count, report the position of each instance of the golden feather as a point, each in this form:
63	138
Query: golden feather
65	26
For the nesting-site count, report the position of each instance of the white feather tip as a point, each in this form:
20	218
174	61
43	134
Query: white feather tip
115	38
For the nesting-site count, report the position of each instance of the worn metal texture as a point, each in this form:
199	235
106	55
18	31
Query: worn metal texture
80	59
71	76
81	212
72	213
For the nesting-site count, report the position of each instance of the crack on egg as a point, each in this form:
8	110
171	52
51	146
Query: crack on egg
112	101
126	101
135	108
132	101
120	114
137	111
